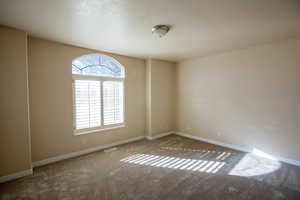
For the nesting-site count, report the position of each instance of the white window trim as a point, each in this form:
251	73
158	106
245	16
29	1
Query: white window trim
103	127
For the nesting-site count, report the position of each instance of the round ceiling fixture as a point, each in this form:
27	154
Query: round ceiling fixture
160	30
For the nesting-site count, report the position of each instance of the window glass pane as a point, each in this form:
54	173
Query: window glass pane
87	104
97	65
113	102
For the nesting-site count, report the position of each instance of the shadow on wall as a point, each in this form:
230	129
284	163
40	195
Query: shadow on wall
209	161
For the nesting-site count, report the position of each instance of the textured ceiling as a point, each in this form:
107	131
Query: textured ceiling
199	27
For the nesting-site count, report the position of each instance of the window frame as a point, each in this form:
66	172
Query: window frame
101	79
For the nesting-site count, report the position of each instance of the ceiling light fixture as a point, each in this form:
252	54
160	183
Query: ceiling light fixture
160	30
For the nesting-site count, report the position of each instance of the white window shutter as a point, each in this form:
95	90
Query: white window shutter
87	105
112	102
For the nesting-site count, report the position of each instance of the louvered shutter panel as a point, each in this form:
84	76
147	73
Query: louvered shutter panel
112	102
87	105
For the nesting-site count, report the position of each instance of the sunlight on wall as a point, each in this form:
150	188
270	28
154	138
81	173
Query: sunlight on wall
263	154
175	162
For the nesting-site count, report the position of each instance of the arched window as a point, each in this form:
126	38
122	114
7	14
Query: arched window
97	65
98	90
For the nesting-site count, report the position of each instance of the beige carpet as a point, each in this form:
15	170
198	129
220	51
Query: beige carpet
168	168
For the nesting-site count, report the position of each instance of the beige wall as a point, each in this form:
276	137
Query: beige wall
51	100
14	124
148	130
160	96
248	97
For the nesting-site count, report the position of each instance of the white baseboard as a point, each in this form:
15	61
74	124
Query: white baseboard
239	148
14	176
287	160
86	151
98	148
231	146
160	135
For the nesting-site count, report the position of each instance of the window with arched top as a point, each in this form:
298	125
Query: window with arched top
97	65
98	90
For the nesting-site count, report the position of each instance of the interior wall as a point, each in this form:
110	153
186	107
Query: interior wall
245	97
51	100
14	123
160	96
148	130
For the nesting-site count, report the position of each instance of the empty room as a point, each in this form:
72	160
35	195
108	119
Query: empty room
150	99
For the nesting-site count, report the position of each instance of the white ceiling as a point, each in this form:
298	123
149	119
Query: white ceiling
199	27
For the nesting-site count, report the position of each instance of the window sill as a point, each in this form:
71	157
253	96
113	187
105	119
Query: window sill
76	133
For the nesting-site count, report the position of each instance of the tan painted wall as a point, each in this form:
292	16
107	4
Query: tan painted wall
51	100
160	96
249	97
148	130
14	120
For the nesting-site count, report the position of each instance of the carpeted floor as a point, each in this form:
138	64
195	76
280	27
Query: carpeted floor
172	168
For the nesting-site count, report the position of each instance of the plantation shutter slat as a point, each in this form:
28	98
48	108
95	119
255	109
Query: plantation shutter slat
112	102
87	104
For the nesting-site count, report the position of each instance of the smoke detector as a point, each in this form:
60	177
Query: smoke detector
160	30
